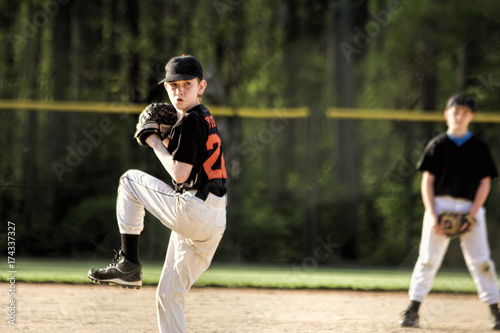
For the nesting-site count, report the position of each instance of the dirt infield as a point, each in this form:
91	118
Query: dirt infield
94	308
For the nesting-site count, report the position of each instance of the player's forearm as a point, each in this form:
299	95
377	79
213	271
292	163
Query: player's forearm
178	171
481	194
427	190
428	199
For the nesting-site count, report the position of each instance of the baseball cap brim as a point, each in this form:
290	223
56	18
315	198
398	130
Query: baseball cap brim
177	77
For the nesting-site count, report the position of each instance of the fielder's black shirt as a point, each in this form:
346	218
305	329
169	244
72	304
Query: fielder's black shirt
458	170
195	140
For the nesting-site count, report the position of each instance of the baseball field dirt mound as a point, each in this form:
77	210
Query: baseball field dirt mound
95	308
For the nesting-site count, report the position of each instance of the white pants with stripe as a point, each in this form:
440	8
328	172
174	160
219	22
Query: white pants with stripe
197	228
475	249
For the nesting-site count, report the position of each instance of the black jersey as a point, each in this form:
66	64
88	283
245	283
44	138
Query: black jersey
195	140
458	170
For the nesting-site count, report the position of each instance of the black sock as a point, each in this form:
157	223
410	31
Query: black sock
414	306
494	308
130	247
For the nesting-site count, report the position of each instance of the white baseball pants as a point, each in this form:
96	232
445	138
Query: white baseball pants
197	228
475	249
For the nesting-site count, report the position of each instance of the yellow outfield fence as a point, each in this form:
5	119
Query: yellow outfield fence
74	106
403	115
70	106
244	112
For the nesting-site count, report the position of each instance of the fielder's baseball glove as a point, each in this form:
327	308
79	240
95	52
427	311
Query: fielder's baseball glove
157	118
454	224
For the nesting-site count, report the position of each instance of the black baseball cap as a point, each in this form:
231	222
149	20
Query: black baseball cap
181	68
468	101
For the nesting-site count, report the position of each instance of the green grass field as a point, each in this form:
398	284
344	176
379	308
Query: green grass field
236	276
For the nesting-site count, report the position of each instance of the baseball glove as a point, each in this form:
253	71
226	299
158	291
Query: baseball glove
157	118
455	224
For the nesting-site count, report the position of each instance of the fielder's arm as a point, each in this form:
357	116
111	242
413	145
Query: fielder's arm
179	171
427	189
481	194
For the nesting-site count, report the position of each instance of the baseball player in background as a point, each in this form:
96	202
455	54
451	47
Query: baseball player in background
457	168
194	208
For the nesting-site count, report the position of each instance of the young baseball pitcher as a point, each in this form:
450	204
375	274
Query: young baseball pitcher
457	168
185	139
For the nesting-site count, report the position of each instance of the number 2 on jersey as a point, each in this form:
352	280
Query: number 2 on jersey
214	143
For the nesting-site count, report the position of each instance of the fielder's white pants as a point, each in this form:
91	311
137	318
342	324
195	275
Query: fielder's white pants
474	246
197	228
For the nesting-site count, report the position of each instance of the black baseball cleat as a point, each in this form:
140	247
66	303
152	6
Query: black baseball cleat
409	318
495	321
121	271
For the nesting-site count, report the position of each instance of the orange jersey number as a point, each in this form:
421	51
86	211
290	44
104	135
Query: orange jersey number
214	143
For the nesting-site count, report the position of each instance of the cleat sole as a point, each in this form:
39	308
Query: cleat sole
117	282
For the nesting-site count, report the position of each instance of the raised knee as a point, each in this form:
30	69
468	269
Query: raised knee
128	175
